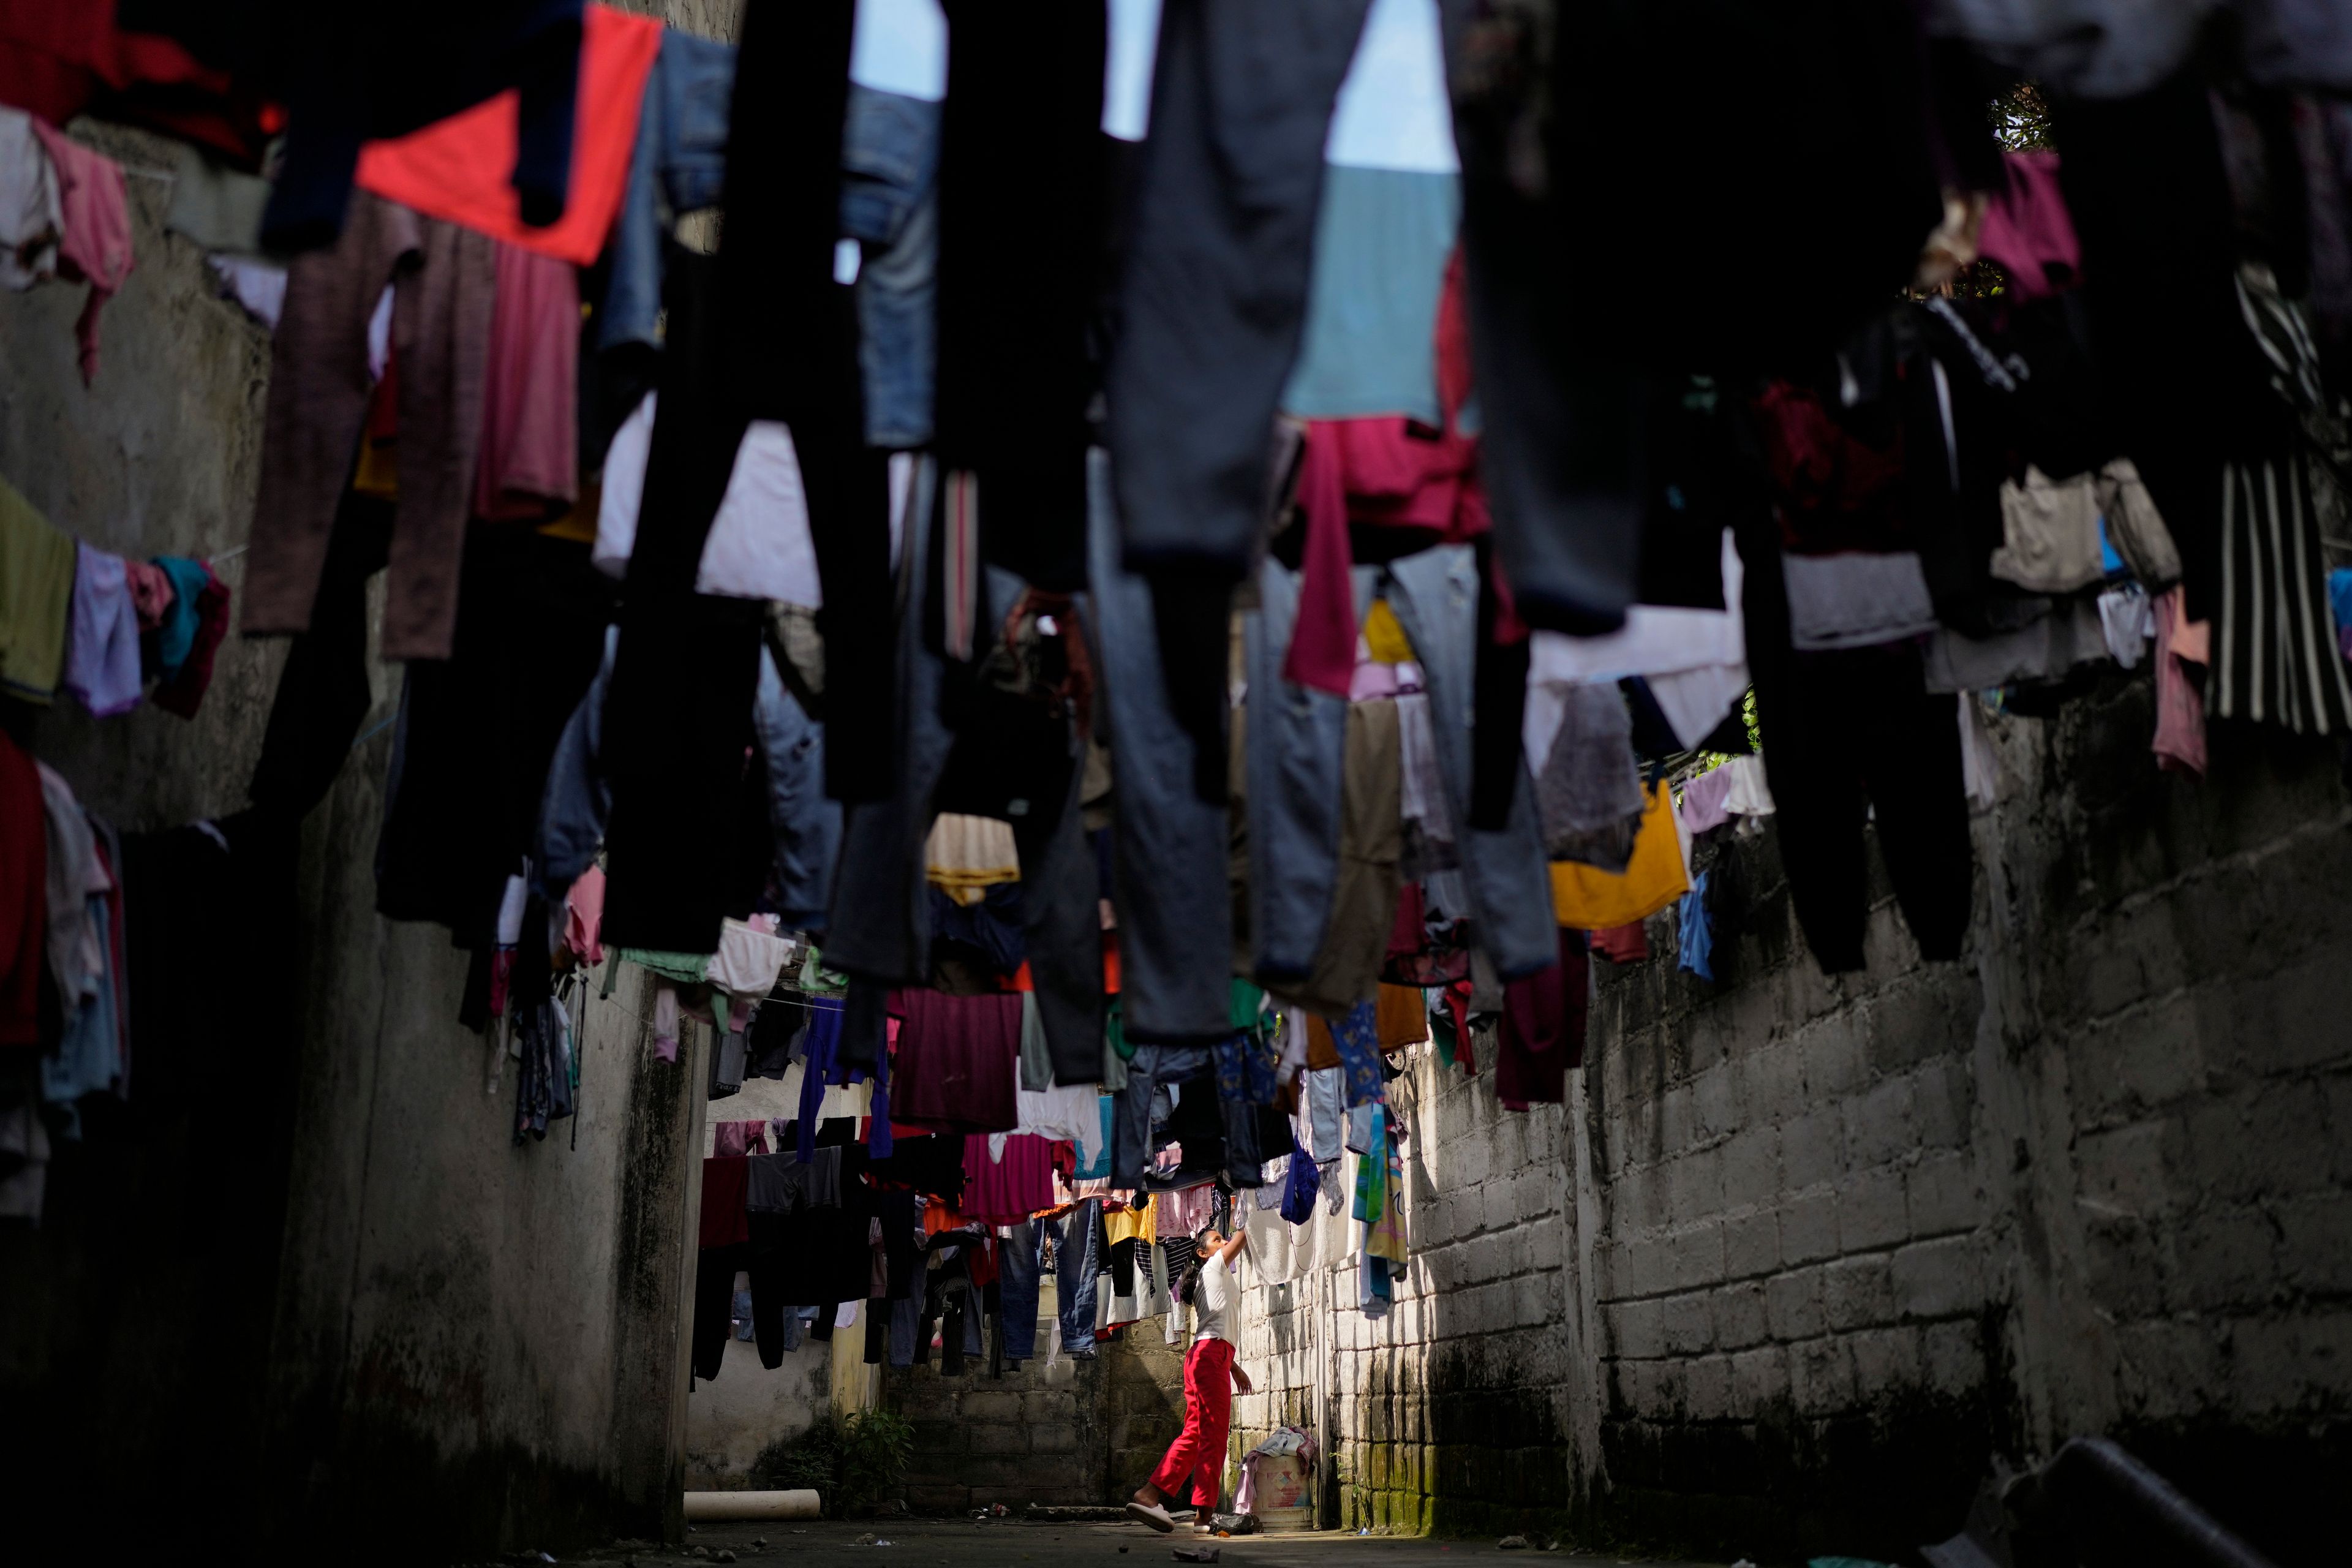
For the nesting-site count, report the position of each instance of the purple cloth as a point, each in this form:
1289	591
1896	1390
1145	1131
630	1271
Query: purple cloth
103	642
1703	800
2027	229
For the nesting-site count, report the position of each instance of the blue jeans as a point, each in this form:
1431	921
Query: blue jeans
1017	1282
890	205
1170	849
1295	741
1077	1263
807	825
678	165
1509	878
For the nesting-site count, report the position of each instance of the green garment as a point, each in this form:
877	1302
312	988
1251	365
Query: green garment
37	577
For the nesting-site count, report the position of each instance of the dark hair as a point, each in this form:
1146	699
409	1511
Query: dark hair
1188	1281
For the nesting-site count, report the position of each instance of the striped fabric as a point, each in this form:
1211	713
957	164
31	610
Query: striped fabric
2275	658
960	565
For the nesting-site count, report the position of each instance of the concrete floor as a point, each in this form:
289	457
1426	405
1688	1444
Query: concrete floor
927	1544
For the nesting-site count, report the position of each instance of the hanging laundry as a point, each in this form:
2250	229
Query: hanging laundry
37	583
23	896
94	244
759	546
2050	531
2132	524
444	294
529	461
1590	899
1695	938
2179	741
1704	801
1541	1035
487	167
676	167
2124	616
32	216
2027	229
101	663
1588	787
217	208
182	692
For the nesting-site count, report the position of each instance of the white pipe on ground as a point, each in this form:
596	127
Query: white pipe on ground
752	1505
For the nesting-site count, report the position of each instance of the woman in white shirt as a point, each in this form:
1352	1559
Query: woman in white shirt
1197	1455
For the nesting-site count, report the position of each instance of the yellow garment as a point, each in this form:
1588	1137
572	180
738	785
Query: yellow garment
37	578
378	473
579	524
966	856
1589	898
1119	1225
1385	636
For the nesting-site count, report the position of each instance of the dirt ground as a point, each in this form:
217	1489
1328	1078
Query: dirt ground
929	1543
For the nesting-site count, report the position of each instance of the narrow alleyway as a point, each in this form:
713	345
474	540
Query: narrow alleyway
927	1544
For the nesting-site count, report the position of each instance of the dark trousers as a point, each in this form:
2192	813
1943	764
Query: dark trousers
1850	733
793	347
1213	299
1212	306
714	1305
1078	1261
677	715
1017	1281
1023	195
1170	847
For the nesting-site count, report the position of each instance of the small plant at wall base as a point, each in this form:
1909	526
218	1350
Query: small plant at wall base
854	1465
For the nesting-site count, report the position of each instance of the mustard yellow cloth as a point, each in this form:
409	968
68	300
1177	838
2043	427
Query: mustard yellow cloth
37	578
1589	898
1385	636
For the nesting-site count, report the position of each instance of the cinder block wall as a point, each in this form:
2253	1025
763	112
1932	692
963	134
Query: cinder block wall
1454	1413
1802	1254
1071	1432
1858	1235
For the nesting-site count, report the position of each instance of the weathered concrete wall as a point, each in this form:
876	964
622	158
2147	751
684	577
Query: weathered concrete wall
1071	1431
317	1295
1802	1254
1455	1413
1860	1234
736	1417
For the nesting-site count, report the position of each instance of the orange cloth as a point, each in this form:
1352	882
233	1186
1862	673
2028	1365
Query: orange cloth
1401	1018
1322	1050
459	169
1592	899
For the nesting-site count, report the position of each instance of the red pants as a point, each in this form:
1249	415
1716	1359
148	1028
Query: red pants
1197	1455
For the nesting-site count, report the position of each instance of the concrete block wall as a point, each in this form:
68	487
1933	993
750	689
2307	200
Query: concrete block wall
1857	1235
1069	1431
1453	1413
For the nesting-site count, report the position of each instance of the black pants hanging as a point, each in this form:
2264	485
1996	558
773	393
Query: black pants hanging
677	715
714	1306
1847	734
792	352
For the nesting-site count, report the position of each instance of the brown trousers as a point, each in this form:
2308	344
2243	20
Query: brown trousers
444	281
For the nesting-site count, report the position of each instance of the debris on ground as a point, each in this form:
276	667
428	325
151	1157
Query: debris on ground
1512	1544
1196	1553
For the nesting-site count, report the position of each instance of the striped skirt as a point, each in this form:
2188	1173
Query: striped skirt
2275	657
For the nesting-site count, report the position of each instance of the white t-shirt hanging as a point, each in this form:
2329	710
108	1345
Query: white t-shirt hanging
759	546
1393	112
901	46
1127	68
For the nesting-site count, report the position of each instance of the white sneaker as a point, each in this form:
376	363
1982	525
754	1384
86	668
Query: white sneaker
1152	1514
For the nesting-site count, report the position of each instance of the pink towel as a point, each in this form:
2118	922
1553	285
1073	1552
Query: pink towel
2028	231
97	242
